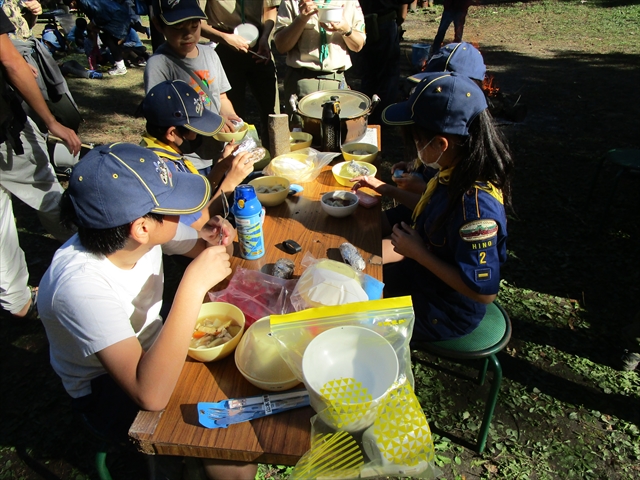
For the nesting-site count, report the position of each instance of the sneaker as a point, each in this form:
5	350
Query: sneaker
94	74
630	361
141	63
118	71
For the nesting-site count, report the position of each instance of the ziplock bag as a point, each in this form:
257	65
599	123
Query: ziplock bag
327	283
256	294
354	435
300	171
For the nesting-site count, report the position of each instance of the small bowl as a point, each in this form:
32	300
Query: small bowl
327	14
337	211
360	152
220	310
300	140
343	176
258	359
271	199
237	135
249	32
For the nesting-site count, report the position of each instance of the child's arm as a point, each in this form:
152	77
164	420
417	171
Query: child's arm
406	197
150	377
408	242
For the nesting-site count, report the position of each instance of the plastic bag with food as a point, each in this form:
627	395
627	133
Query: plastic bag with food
300	166
256	294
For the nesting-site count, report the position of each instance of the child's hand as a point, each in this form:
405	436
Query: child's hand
411	183
229	127
404	166
208	269
241	166
406	241
367	181
217	229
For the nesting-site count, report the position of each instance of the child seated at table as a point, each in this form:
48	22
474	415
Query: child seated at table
100	299
176	124
448	259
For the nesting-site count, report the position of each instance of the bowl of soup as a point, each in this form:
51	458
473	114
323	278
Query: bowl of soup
340	203
271	190
217	331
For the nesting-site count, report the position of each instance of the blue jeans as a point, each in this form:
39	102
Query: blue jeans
458	18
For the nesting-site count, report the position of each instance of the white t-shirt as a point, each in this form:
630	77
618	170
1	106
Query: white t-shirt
86	304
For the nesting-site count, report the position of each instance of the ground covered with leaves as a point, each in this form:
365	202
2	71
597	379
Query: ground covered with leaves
571	285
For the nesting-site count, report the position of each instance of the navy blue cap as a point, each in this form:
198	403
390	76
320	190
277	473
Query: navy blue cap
441	103
173	103
115	184
462	58
176	11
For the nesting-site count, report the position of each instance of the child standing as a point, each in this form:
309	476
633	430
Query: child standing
449	259
181	58
177	122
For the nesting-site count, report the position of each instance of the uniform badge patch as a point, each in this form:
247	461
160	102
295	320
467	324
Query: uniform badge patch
483	274
479	230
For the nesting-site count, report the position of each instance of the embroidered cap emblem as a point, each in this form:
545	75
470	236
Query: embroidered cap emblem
165	174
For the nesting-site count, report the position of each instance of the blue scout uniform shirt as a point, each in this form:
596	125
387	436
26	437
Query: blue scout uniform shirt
474	239
176	163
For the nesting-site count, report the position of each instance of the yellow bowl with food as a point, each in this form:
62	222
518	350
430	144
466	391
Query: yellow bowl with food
300	140
343	172
360	152
238	135
217	332
271	191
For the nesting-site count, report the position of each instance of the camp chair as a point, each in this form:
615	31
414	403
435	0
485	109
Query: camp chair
627	162
489	338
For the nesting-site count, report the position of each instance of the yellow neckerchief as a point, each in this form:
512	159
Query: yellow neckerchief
166	151
443	177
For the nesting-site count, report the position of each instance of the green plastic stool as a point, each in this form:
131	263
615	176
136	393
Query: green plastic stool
627	162
489	338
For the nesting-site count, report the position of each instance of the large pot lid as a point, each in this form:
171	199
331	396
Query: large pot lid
352	104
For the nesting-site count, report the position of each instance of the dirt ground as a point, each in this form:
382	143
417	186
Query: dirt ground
562	241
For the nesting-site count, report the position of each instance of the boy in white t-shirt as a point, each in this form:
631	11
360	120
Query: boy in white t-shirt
100	299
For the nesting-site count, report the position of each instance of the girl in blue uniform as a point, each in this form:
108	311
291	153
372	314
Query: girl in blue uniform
449	258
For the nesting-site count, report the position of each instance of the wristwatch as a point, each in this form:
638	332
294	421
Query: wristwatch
348	33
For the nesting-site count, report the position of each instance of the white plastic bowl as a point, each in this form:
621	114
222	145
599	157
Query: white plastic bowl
354	356
340	212
327	14
249	32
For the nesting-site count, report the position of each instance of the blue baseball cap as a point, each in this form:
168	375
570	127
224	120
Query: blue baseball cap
441	102
173	103
51	38
115	184
176	11
462	58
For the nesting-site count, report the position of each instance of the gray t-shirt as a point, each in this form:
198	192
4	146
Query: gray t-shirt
206	66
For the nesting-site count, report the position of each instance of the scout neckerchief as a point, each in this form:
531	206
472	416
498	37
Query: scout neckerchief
443	177
168	153
324	46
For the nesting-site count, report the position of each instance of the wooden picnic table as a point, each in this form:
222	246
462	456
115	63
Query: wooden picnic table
283	438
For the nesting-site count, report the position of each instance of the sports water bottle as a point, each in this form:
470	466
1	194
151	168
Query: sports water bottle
248	212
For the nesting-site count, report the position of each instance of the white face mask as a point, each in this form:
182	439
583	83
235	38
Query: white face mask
435	165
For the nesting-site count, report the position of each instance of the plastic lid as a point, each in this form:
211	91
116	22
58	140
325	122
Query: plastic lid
258	355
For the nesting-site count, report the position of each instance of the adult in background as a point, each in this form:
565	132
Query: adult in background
454	11
317	53
25	171
378	63
23	15
240	64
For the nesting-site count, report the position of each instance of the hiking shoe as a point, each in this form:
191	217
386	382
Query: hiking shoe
94	74
118	71
630	360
